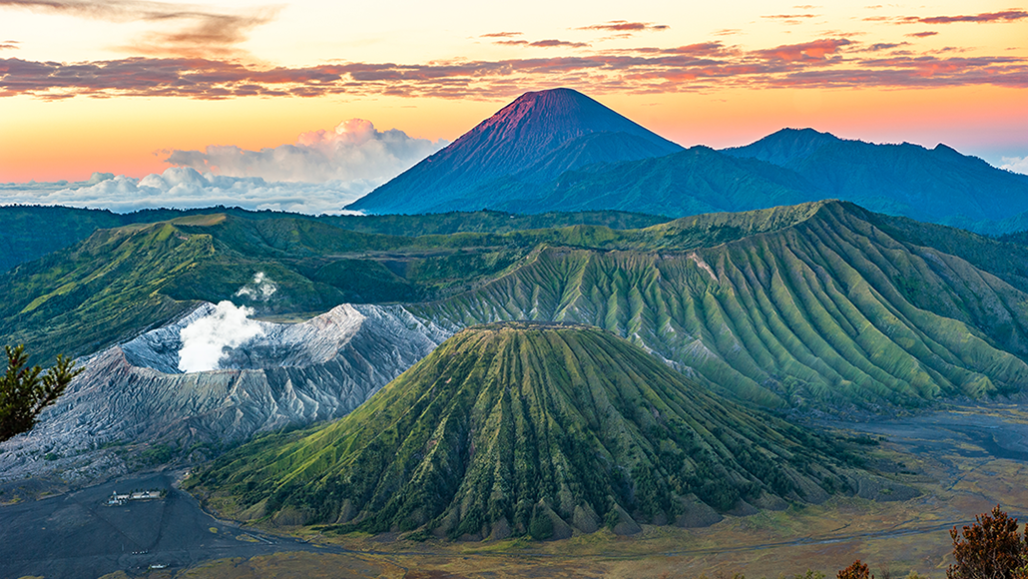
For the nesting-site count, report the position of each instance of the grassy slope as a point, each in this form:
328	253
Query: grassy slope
821	307
103	290
29	233
503	426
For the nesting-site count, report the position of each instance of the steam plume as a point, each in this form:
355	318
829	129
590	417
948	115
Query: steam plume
204	341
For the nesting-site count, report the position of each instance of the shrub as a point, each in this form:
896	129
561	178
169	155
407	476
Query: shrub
857	570
989	549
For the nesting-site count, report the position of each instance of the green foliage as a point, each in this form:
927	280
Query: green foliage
157	454
541	526
25	391
503	419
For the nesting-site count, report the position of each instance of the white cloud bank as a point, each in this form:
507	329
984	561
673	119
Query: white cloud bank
204	341
354	150
1017	165
321	173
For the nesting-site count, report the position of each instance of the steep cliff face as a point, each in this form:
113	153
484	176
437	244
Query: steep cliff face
292	375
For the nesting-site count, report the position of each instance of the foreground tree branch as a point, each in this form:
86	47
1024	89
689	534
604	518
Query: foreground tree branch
25	391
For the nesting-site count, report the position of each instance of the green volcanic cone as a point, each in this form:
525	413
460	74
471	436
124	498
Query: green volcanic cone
532	429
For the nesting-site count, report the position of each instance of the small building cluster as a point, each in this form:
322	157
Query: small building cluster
120	499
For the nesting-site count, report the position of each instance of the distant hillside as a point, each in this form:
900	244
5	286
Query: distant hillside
938	185
120	282
28	233
692	182
522	429
535	138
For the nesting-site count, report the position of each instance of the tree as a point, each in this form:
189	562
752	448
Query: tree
25	391
857	570
989	549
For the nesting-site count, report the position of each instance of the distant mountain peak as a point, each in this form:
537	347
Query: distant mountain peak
555	114
785	145
533	134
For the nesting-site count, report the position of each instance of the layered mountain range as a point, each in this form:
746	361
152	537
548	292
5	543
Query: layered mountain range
823	306
594	159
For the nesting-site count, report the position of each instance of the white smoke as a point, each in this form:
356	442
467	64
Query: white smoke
205	340
260	289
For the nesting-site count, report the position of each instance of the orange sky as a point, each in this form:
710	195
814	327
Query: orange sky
95	86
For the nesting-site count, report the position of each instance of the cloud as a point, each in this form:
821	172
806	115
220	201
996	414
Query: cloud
204	340
500	35
985	17
816	51
320	173
880	46
924	34
354	150
186	30
1006	16
9	45
625	26
185	188
832	62
543	43
1015	164
787	17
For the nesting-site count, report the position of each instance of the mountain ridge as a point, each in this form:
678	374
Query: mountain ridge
936	184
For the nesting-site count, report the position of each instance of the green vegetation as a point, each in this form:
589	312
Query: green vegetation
118	282
822	304
27	233
25	391
531	429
